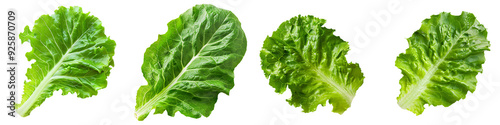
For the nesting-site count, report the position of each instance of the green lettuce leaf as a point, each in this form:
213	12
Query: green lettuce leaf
442	61
192	63
71	54
309	60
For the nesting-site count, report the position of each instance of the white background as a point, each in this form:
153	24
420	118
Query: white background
376	31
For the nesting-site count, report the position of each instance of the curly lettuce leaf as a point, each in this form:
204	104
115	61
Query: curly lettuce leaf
71	54
442	61
309	60
192	63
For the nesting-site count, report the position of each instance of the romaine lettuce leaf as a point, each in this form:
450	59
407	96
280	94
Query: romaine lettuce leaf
71	54
309	60
442	61
192	63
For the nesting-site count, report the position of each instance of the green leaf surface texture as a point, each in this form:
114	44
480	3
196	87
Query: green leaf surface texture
442	61
71	54
309	60
192	63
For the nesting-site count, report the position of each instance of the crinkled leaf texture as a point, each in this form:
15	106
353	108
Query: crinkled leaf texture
71	54
442	61
309	60
192	63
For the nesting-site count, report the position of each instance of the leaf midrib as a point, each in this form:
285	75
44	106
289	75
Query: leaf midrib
347	95
340	89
